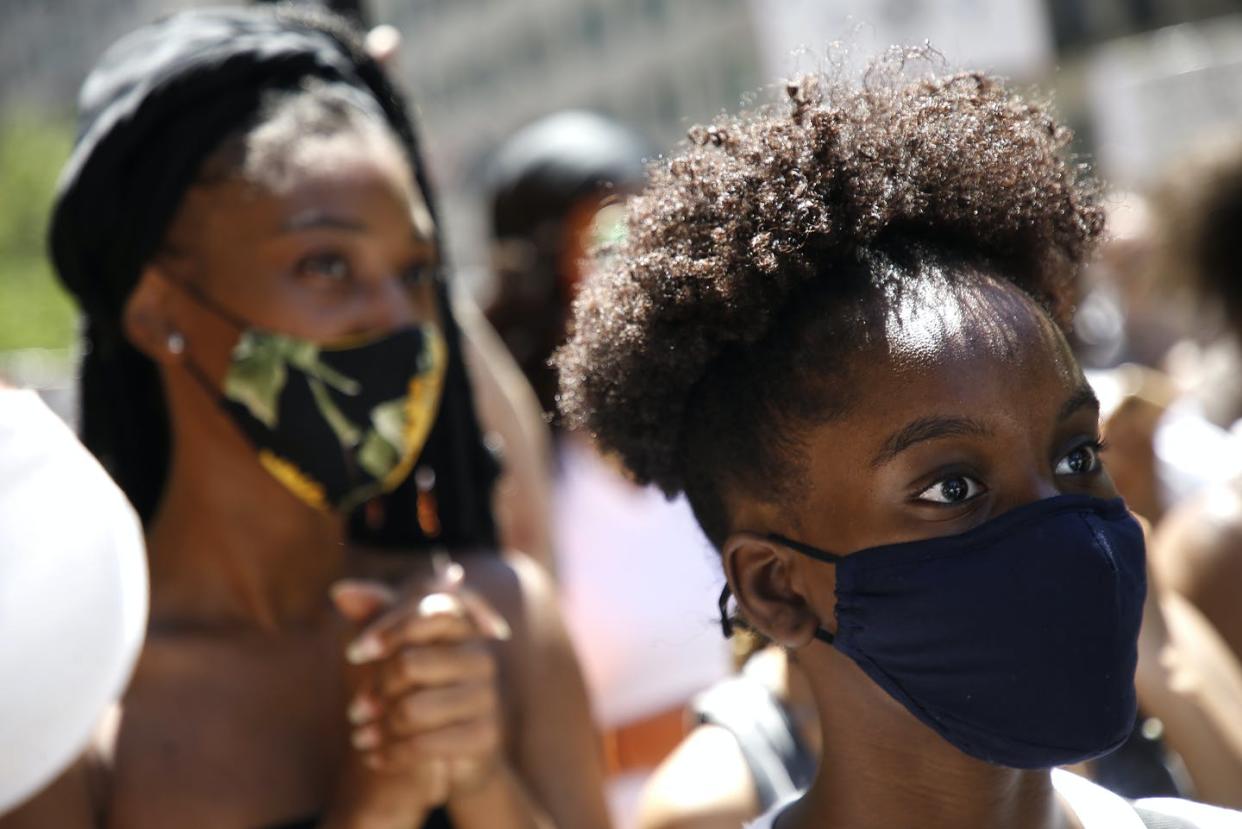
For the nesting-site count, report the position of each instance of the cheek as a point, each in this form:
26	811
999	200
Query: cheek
209	339
820	588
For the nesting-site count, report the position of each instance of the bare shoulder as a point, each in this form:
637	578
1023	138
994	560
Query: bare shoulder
704	784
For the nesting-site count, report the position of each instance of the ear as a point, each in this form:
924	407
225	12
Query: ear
146	318
765	583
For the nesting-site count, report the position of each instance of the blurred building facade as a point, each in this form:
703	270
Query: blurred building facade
480	69
47	46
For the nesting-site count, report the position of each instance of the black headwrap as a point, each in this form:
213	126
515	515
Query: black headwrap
156	105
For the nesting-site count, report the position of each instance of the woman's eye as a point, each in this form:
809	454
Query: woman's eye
1083	460
328	266
955	490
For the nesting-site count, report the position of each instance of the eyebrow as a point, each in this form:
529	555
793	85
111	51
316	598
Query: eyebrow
924	429
318	220
935	427
1082	398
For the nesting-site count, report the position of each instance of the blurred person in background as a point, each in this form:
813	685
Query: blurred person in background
1198	551
73	595
275	378
1137	330
554	190
835	331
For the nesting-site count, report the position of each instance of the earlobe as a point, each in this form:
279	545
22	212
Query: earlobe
763	581
146	320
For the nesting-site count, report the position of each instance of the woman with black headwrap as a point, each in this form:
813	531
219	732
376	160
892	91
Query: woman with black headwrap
275	378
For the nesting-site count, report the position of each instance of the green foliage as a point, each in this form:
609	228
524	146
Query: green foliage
34	311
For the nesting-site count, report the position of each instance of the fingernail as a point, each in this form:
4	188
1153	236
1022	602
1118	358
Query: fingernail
365	739
434	603
364	650
454	574
501	629
373	762
360	711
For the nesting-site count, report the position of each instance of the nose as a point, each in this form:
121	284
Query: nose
388	305
1035	488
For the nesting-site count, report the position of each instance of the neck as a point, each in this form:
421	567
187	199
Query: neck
229	545
879	766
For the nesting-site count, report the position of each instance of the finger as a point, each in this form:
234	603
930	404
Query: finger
360	601
452	579
438	617
463	741
449	574
436	708
438	781
424	666
436	664
489	621
426	711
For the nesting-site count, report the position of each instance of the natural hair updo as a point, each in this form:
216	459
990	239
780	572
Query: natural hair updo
704	339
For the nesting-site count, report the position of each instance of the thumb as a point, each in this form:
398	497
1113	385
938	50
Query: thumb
360	601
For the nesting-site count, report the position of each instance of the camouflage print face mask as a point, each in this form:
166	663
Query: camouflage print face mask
336	423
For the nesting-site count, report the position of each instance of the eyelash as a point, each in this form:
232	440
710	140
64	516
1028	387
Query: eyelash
1096	446
308	266
311	266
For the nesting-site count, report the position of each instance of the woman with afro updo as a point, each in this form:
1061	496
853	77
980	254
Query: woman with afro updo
838	326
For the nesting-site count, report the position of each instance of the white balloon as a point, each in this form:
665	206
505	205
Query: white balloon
73	595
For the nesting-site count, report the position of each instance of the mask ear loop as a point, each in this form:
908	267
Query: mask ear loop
727	625
203	300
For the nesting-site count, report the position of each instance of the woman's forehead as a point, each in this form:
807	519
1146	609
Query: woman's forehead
979	317
976	349
339	182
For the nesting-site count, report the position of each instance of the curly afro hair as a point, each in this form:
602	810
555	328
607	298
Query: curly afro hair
706	337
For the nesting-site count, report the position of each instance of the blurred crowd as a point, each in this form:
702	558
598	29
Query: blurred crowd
337	543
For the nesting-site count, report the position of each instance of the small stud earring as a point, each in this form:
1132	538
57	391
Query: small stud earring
176	343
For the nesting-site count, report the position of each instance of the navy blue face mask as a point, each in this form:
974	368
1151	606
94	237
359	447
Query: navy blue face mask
1016	641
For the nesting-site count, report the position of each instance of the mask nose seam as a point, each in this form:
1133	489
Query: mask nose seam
1101	539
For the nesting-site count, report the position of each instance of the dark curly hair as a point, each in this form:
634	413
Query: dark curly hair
756	260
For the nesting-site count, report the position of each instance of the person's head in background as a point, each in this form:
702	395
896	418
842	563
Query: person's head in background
553	193
838	326
1197	211
1121	316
